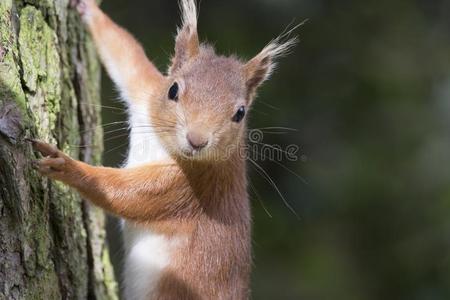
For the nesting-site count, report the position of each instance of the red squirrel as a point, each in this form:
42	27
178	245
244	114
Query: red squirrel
183	191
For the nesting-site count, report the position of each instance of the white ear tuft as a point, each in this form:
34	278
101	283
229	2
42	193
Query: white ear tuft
274	50
259	68
188	14
187	45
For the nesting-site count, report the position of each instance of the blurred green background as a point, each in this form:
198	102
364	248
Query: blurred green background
368	91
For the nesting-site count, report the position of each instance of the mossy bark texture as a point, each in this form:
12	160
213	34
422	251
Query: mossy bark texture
52	244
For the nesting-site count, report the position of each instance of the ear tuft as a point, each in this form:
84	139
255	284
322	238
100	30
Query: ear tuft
188	14
259	68
187	44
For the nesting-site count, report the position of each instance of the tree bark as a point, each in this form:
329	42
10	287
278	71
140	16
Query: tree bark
52	244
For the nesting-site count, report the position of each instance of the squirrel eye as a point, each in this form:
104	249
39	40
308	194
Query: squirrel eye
173	92
240	114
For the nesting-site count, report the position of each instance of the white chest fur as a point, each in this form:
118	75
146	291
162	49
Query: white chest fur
147	253
144	144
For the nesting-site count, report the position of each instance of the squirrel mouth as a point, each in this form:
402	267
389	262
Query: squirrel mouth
189	153
192	153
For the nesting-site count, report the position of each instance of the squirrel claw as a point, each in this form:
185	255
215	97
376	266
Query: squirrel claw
73	3
35	164
44	148
29	140
82	6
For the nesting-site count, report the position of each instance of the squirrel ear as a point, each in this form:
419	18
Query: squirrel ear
259	68
187	44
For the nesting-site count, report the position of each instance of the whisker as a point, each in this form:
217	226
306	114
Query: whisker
259	199
123	110
274	132
303	180
115	148
105	106
107	132
273	184
134	133
115	130
150	134
269	105
128	127
260	112
102	126
276	128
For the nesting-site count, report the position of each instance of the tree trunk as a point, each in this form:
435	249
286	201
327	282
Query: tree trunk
52	245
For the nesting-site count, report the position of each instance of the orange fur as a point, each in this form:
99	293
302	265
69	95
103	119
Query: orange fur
206	205
123	56
197	196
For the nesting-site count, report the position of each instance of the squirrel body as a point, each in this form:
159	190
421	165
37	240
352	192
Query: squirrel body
183	190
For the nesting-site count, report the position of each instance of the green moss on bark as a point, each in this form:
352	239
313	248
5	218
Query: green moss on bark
38	47
10	85
52	243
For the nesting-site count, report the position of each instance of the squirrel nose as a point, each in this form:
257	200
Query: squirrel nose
196	140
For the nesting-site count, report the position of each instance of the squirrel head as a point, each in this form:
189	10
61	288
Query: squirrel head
203	104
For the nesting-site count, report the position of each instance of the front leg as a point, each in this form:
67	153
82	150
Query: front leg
145	194
124	58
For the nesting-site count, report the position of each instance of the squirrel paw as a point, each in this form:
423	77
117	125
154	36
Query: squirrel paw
55	163
83	6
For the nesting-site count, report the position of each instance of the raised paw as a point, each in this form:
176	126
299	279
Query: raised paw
84	7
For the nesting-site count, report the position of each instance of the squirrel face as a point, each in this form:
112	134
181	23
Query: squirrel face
202	105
